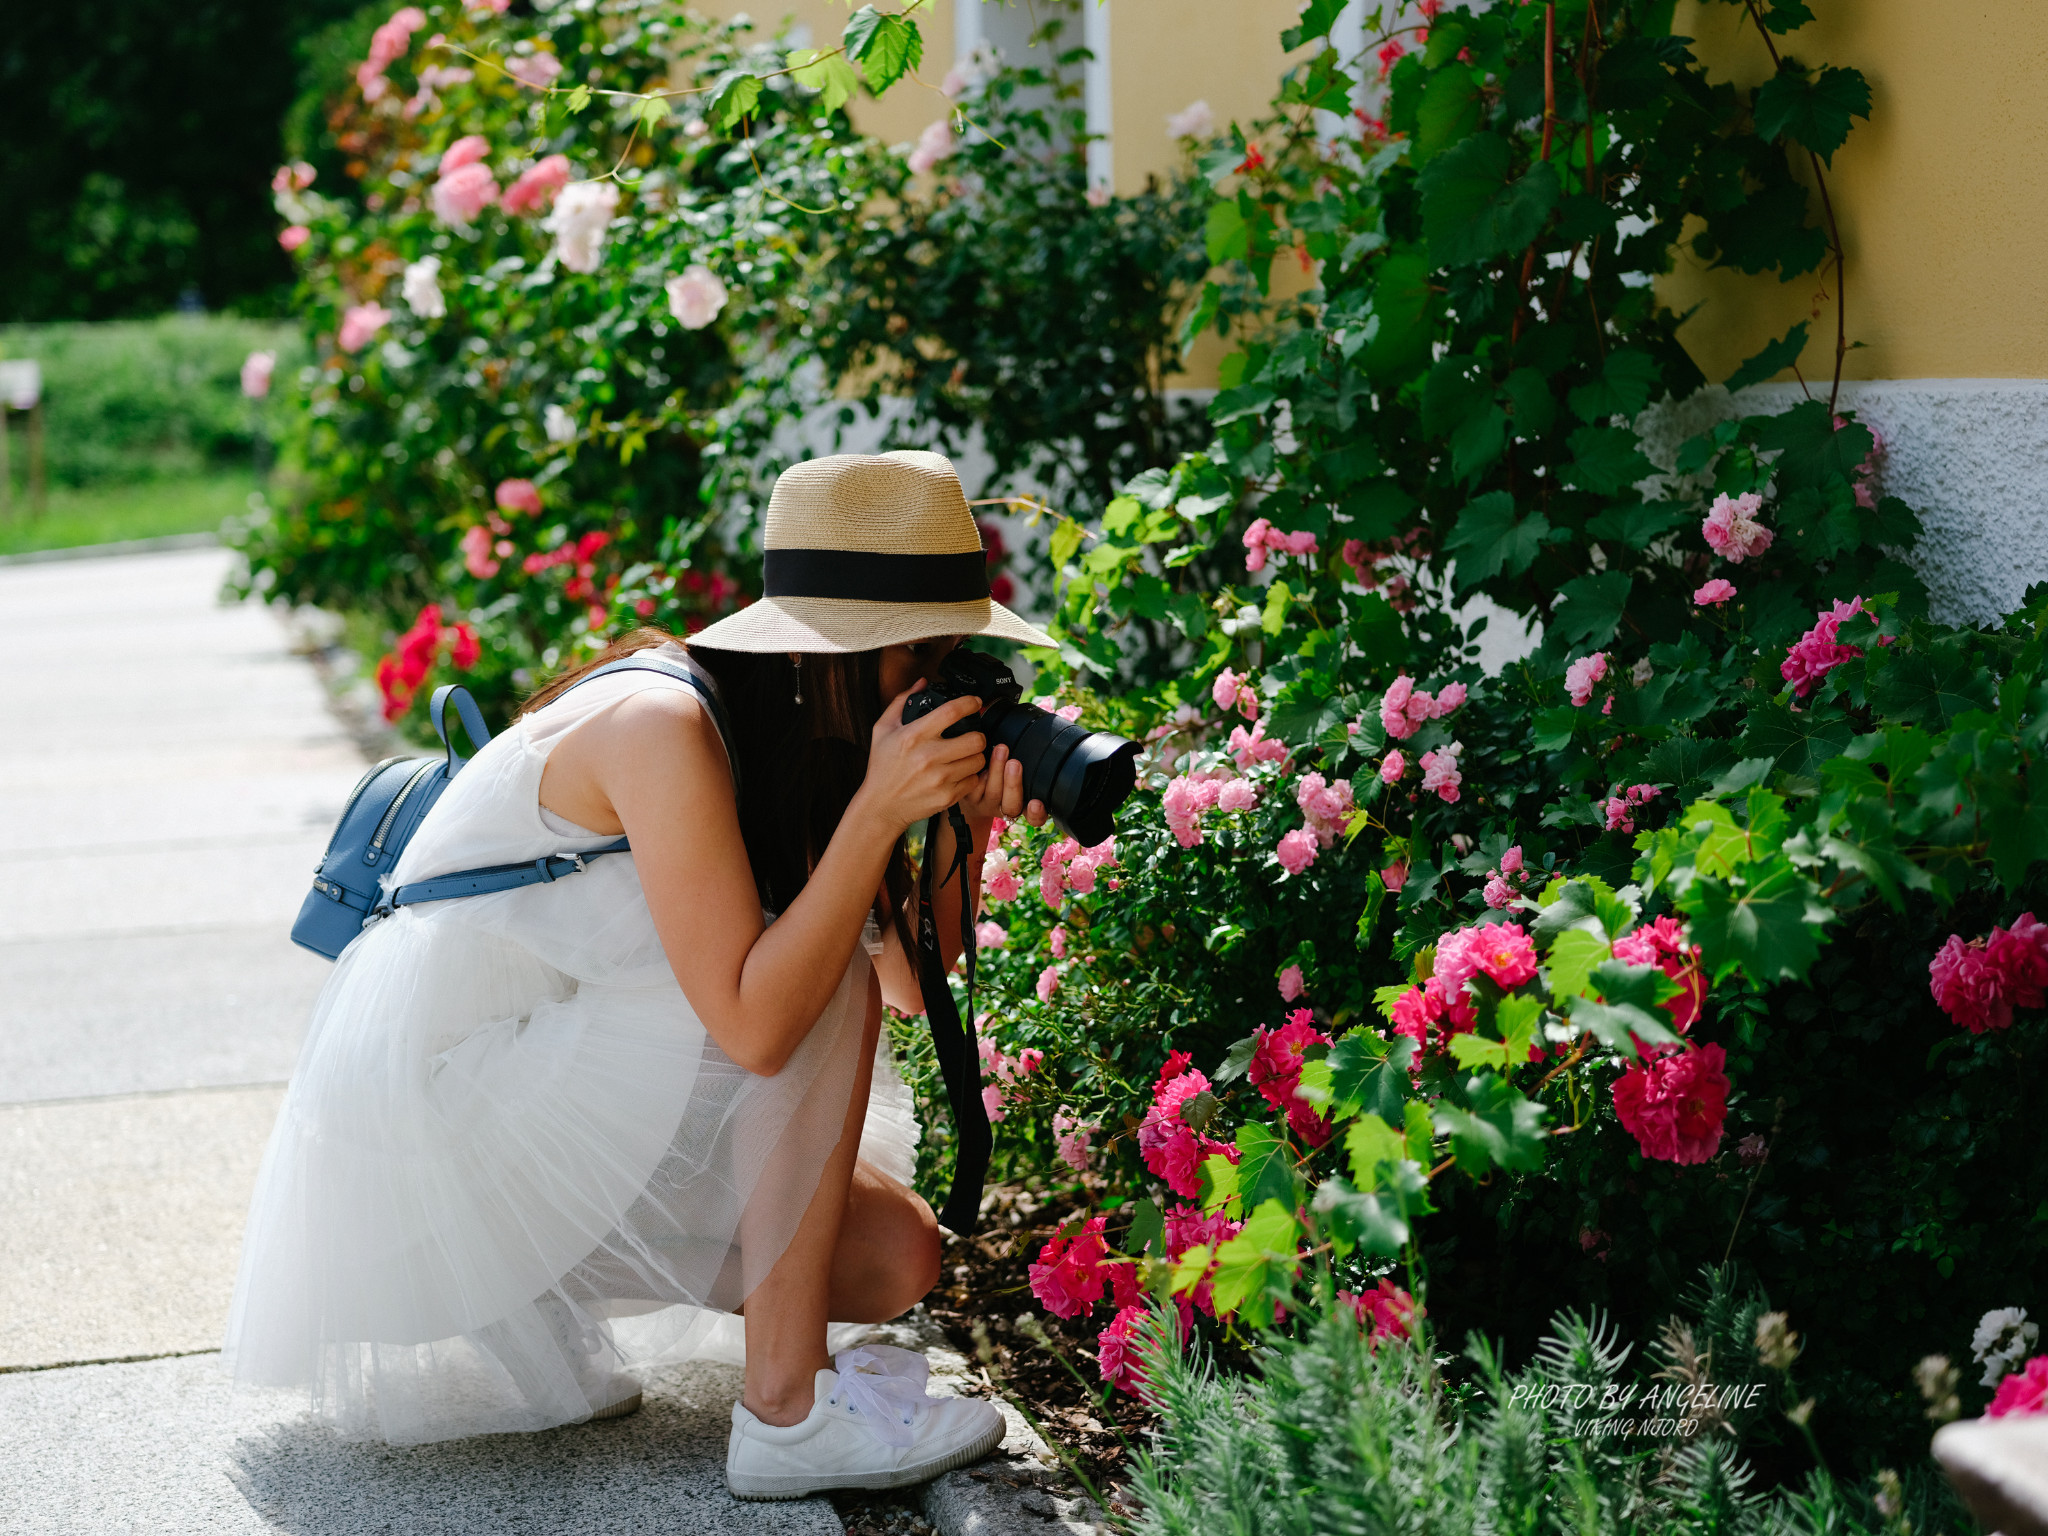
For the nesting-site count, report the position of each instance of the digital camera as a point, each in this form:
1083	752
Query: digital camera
1081	775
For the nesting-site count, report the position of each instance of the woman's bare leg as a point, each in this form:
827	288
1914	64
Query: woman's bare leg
786	1313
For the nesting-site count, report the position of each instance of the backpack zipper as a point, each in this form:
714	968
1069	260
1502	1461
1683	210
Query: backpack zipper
353	796
376	847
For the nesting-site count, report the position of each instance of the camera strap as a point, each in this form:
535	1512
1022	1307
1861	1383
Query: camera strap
953	1037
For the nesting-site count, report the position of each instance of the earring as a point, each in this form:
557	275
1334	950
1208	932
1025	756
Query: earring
798	660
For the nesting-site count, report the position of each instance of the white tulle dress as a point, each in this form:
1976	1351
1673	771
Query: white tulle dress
507	1117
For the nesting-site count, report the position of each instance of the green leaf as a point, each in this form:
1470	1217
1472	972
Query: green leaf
1236	1060
733	101
885	47
1371	1074
1402	300
1421	1130
1642	986
1606	460
1815	109
1614	1023
1219	1181
1315	22
1376	1222
825	71
1775	358
1487	540
1277	600
1500	1128
1535	407
1265	1245
1798	742
1265	1170
1627	380
578	99
1769	929
1228	237
1813	451
1449	112
1589	609
1370	1141
1148	1229
1066	539
1571	961
1766	230
1472	212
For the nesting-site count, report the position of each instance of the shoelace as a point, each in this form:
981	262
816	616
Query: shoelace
885	1385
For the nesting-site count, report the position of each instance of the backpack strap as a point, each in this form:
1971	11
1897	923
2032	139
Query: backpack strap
510	877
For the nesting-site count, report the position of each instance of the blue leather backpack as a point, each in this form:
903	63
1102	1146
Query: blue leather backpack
390	801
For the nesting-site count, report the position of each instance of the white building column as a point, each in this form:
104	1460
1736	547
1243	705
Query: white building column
1101	152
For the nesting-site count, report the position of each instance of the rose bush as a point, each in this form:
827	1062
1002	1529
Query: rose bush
579	278
1615	963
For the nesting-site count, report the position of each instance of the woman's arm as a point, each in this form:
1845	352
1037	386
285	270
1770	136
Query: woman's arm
657	764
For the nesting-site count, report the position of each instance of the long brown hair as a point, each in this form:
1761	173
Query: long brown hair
800	763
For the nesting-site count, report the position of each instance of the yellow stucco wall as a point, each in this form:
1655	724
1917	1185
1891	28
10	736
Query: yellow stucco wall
1939	196
895	118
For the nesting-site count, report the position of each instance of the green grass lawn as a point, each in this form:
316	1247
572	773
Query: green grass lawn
107	515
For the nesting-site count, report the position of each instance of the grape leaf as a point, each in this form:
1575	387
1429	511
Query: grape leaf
885	47
1500	1127
1776	356
1626	382
1589	609
1370	1141
826	72
733	100
1245	1263
1265	1170
1488	541
1472	211
1813	108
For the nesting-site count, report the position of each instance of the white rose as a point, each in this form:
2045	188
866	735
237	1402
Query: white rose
695	296
582	213
559	425
422	288
1193	121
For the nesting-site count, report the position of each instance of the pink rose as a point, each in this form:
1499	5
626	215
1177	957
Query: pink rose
1714	592
1237	795
2024	1391
1048	983
1297	850
933	145
1505	953
1395	875
1732	530
359	324
999	877
1676	1105
1392	766
257	368
1817	653
292	236
1581	676
1056	941
1290	984
476	552
1968	988
539	70
463	193
470	149
1440	772
1068	1278
519	496
537	185
990	936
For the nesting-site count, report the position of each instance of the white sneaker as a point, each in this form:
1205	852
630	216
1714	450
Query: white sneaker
871	1426
611	1394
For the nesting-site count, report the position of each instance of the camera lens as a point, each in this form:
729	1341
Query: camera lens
1081	775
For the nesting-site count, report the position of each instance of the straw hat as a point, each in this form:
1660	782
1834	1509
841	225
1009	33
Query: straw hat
864	550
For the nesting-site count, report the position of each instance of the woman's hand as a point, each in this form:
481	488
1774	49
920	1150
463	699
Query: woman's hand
915	771
999	791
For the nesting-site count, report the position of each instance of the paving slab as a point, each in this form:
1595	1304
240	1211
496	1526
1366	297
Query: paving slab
121	1221
193	1009
161	1447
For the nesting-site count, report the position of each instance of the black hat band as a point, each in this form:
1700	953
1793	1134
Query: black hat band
866	576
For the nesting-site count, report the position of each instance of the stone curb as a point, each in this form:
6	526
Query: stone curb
156	546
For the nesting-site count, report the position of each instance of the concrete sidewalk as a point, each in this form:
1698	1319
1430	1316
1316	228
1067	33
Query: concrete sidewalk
169	773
